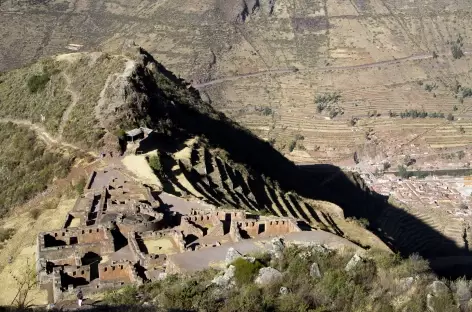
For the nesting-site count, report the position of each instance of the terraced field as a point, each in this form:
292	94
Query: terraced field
266	69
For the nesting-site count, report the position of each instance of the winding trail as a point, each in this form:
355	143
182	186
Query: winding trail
67	112
414	57
44	135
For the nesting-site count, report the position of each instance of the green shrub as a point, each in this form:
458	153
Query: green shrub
38	83
456	51
291	145
246	271
35	213
51	204
28	164
124	296
80	185
248	299
403	172
412	266
6	234
155	163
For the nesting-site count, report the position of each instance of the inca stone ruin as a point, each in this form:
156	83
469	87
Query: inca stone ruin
121	232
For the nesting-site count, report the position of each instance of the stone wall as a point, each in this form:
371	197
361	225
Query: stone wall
117	272
75	236
268	227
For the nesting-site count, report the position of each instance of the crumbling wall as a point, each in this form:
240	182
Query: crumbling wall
234	232
77	272
122	271
268	227
217	230
190	229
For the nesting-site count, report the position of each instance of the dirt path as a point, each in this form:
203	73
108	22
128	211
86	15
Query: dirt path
44	135
414	57
75	99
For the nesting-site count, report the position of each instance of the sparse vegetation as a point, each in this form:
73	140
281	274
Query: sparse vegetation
35	213
456	47
329	102
265	110
430	87
80	185
155	163
83	128
375	284
6	234
246	271
38	82
23	94
291	145
403	172
27	166
414	113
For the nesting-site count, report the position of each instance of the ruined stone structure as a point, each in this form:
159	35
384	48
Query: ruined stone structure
119	232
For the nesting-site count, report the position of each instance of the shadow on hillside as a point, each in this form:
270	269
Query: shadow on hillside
402	231
178	112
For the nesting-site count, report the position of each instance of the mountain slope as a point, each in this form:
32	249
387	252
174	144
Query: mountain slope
201	152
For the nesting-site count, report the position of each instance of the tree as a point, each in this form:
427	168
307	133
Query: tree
450	117
26	283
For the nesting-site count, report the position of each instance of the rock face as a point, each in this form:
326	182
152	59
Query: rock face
240	10
277	247
315	270
225	280
231	255
353	262
267	276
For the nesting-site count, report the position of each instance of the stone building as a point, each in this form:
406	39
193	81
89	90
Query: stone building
119	232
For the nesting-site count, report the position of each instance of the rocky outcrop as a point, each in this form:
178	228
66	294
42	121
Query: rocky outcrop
240	10
315	270
355	260
267	276
226	280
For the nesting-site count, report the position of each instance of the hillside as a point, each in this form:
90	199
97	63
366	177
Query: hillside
265	64
311	278
202	153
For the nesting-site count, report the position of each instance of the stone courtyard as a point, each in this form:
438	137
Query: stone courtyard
120	232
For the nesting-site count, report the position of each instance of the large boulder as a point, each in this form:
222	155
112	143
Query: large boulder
267	276
227	279
277	247
315	270
356	259
231	255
